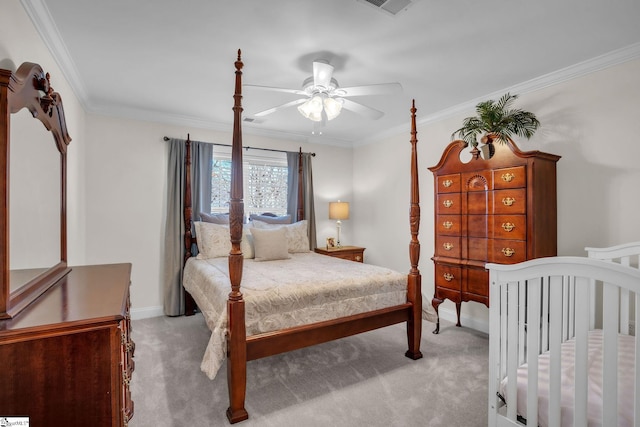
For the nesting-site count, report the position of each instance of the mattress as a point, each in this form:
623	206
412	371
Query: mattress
304	289
626	377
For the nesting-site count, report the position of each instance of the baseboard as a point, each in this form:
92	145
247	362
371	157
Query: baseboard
146	312
466	321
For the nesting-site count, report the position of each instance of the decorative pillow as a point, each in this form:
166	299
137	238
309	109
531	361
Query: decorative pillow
214	218
284	219
297	235
213	241
270	244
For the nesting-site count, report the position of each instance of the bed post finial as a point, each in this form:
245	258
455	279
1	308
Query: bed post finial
414	279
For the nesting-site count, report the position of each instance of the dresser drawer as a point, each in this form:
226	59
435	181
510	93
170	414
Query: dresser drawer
478	249
477	225
477	282
448	225
448	204
512	227
448	183
508	251
509	178
448	246
448	277
477	181
510	201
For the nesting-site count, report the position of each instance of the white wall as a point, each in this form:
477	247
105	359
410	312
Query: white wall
126	163
590	121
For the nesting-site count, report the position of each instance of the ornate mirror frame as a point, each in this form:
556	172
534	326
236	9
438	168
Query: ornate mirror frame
29	88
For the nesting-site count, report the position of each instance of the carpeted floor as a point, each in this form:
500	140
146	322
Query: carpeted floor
363	380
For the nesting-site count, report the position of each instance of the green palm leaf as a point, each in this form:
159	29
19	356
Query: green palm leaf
499	119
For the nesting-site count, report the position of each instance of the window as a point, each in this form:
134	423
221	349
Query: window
265	183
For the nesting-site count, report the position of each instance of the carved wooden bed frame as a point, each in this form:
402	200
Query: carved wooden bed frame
242	348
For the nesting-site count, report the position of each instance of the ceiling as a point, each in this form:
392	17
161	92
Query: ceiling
172	61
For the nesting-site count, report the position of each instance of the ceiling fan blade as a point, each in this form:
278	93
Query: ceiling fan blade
363	110
276	89
322	73
280	107
377	89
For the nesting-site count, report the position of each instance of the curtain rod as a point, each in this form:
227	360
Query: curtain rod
166	138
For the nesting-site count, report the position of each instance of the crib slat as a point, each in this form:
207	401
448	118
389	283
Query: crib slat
581	288
522	322
555	341
624	302
495	340
503	329
636	405
544	321
610	355
512	352
533	336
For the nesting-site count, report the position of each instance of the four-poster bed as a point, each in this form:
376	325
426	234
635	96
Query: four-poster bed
377	297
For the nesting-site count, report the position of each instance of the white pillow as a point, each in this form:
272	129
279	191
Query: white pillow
270	244
214	241
297	236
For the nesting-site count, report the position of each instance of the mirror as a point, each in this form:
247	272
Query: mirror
34	200
33	162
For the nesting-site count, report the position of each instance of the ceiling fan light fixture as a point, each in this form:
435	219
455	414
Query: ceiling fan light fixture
332	107
312	108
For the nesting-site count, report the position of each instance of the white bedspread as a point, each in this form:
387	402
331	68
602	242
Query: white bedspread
626	377
305	289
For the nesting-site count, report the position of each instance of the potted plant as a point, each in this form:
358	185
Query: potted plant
497	121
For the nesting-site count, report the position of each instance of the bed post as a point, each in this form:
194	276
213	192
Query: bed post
414	279
237	334
189	302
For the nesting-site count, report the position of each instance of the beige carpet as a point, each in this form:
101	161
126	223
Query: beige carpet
363	380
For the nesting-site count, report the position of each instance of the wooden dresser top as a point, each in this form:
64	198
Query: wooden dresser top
87	295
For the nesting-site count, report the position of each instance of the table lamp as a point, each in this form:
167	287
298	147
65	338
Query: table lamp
338	211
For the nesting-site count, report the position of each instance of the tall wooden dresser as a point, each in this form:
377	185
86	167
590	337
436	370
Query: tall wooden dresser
499	206
67	357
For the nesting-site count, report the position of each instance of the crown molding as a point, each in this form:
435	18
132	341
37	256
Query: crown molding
43	22
610	59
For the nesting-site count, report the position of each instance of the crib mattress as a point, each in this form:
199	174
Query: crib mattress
626	376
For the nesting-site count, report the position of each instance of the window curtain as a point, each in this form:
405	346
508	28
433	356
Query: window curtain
201	155
293	160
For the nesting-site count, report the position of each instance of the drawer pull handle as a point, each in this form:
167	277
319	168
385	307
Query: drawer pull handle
447	246
358	258
508	226
447	203
448	277
508	251
508	201
508	177
447	225
447	183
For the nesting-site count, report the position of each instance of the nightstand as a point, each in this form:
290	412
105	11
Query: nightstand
352	253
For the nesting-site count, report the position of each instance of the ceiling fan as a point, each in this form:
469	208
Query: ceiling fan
323	98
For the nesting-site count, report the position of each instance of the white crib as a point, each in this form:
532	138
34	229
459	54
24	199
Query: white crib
560	352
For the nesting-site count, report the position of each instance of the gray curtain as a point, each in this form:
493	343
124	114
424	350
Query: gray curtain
174	226
292	196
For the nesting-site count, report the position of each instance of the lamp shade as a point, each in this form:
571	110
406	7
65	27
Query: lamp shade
338	210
